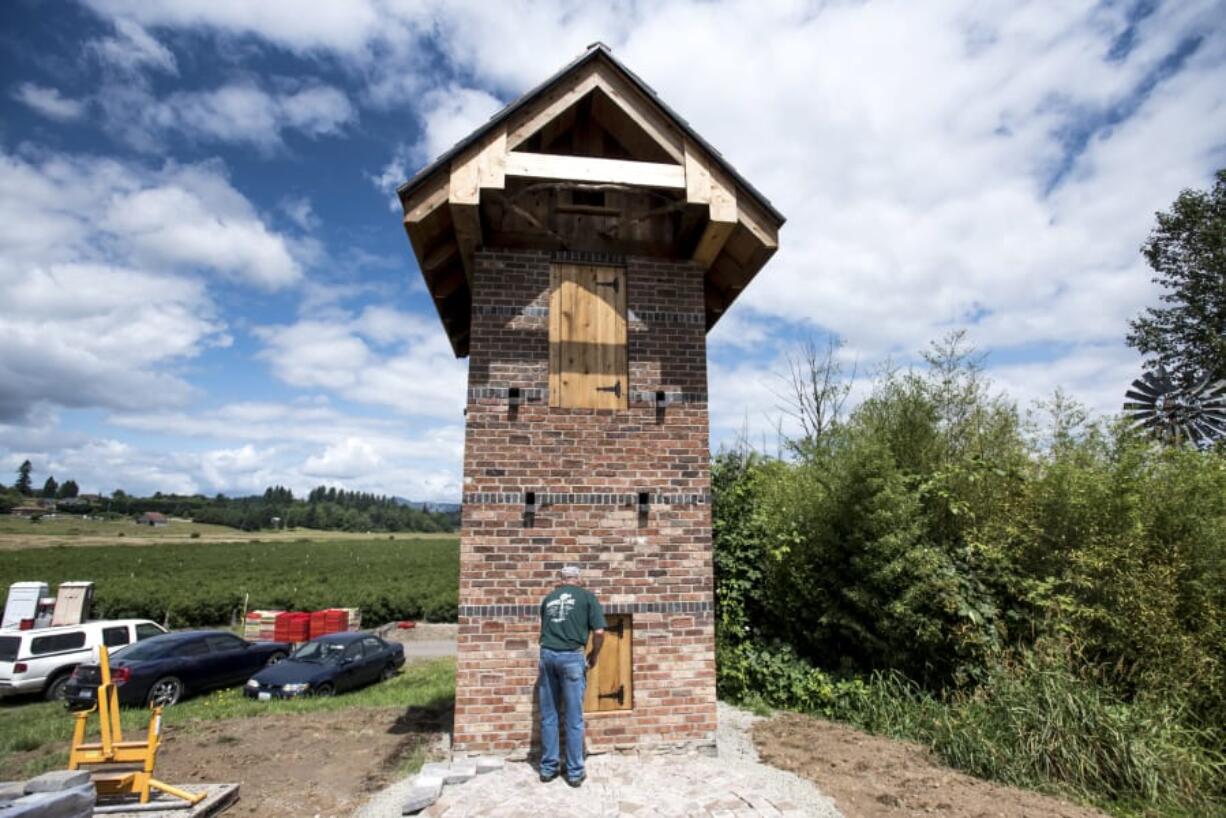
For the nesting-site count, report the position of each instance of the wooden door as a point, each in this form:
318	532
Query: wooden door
587	337
610	683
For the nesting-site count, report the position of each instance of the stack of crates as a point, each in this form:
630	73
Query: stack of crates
337	620
330	620
293	627
261	626
354	618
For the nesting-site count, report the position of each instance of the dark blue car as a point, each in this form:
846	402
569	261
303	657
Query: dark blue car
328	665
163	669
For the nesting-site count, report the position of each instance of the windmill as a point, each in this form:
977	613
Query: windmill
1196	413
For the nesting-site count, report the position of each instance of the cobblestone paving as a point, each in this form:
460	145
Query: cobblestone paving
733	785
625	785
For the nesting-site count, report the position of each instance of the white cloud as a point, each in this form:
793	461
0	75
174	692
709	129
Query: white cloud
132	50
381	356
306	444
100	277
298	210
241	112
350	458
912	146
49	102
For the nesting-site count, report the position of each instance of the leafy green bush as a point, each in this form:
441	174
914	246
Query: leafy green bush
931	543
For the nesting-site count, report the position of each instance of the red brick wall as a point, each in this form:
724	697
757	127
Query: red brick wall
587	468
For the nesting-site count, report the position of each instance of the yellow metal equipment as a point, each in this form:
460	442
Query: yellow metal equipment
121	767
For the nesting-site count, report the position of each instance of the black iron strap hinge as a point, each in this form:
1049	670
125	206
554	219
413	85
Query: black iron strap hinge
613	282
616	389
619	694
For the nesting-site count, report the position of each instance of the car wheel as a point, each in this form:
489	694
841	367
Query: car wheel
54	691
389	670
325	689
165	692
276	658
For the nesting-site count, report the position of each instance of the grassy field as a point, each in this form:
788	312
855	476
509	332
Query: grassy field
192	583
20	533
34	736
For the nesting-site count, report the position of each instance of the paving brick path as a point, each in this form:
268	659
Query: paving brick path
732	785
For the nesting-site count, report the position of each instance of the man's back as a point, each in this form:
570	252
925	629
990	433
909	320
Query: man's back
568	614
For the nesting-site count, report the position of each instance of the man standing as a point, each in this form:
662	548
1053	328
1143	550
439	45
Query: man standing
568	613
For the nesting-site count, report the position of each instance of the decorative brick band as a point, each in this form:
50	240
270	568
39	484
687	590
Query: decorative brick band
588	257
669	397
543	498
522	611
695	318
507	311
666	317
526	394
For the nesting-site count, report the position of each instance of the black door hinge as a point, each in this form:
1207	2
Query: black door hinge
613	282
619	694
616	389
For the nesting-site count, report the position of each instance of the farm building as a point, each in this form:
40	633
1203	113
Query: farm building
578	246
153	518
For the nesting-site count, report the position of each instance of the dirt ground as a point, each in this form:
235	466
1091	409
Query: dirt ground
317	764
874	777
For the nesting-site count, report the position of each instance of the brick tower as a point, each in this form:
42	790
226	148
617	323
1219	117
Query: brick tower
578	246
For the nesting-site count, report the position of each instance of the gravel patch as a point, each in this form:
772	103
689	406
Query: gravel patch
734	784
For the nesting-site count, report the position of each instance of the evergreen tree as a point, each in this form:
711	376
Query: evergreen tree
68	489
50	487
23	478
1187	251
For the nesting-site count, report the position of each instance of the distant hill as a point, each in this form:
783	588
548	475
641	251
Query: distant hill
445	508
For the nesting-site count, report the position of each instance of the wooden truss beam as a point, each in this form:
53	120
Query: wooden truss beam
707	187
595	170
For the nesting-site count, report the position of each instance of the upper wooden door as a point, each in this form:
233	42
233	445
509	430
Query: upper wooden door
587	337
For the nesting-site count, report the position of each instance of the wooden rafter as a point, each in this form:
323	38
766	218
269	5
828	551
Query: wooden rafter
593	169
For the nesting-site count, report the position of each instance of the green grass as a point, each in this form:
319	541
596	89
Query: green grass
1035	724
204	584
66	527
47	726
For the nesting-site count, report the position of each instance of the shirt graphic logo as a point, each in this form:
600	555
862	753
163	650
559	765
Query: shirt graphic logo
559	609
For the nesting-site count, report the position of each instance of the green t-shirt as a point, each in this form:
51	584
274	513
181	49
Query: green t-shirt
567	614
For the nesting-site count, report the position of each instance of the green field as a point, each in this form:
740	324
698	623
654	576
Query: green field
197	583
20	532
34	736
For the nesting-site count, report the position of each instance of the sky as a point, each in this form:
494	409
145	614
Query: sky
205	285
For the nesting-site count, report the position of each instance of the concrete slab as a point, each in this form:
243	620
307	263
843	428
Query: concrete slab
460	771
75	802
489	764
421	797
11	790
218	798
58	780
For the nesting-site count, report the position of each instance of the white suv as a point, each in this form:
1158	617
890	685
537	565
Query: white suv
41	660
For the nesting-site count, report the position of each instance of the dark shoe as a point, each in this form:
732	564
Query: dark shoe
547	777
577	782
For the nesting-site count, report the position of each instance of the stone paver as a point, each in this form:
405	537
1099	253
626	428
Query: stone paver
638	786
733	785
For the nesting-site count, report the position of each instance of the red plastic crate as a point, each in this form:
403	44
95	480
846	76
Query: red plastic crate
319	623
337	620
292	626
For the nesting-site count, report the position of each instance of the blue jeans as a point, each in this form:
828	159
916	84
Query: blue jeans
564	674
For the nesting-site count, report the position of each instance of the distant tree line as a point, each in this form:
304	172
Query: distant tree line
325	507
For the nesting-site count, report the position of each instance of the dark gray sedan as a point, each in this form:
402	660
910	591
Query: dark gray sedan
161	670
328	665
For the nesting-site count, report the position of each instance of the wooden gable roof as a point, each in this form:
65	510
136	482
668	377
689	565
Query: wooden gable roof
593	124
